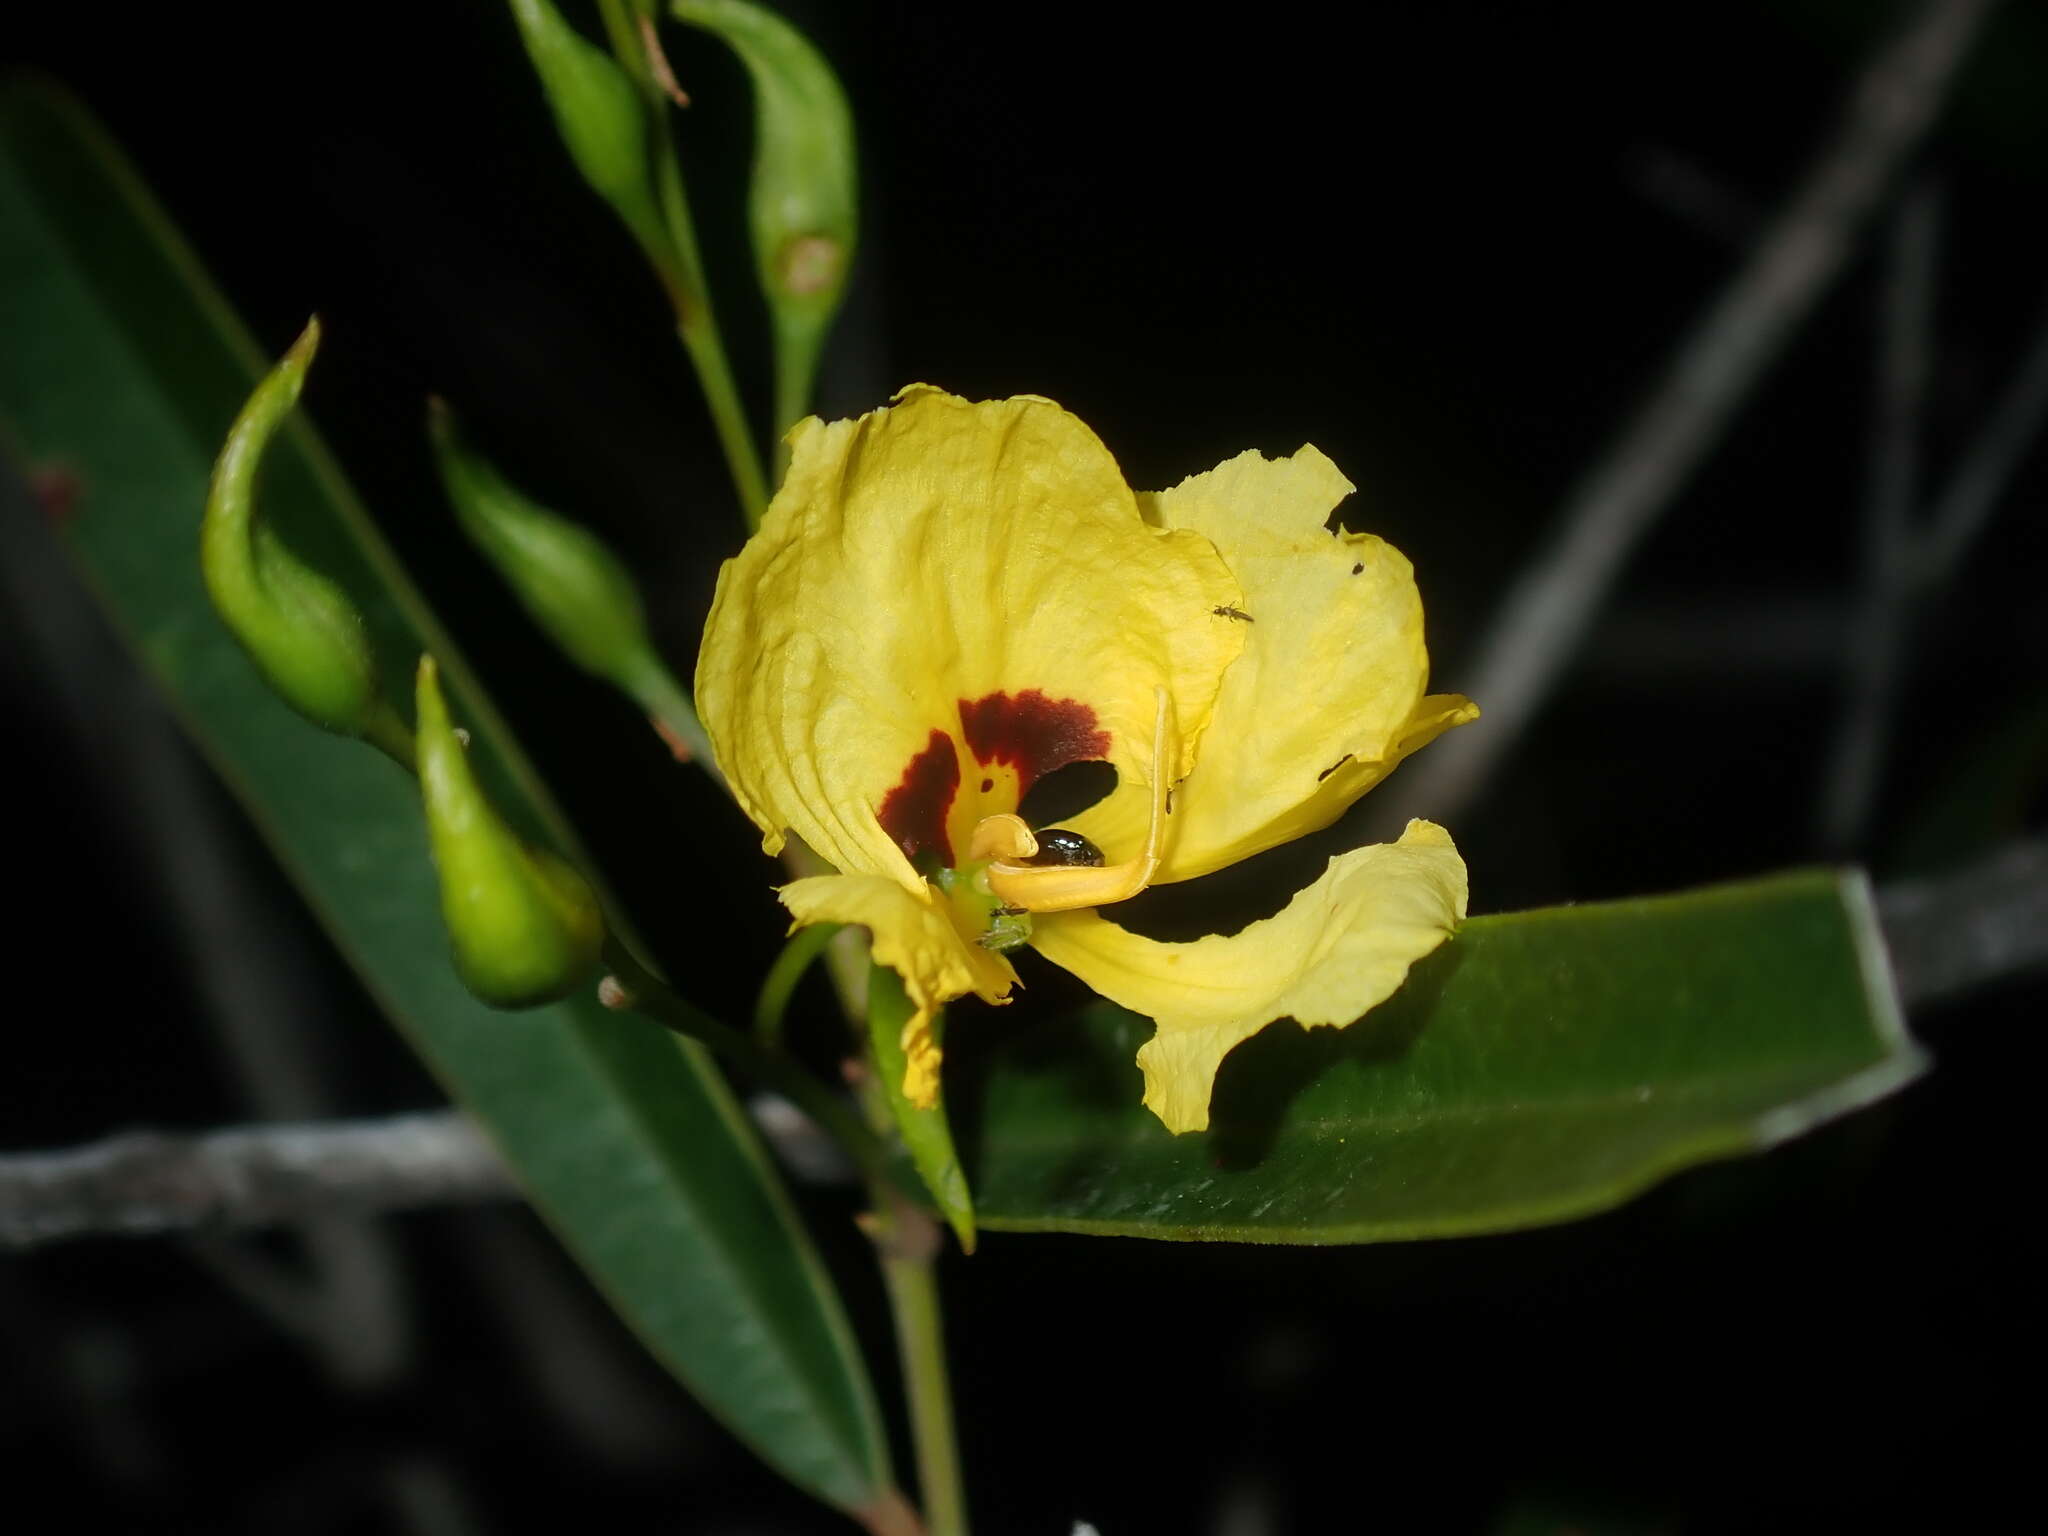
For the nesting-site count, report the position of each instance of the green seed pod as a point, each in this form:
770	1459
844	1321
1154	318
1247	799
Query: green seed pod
525	927
601	115
804	202
574	586
304	633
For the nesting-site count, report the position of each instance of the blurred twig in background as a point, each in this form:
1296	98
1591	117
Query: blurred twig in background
1953	932
250	1176
1547	612
1907	565
1945	935
1876	639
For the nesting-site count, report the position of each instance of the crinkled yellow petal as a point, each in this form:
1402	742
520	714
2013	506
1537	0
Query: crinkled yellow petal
1340	947
932	556
914	936
1328	694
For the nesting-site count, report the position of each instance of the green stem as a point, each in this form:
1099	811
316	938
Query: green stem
620	29
908	1242
779	985
697	325
646	993
796	371
681	269
698	328
390	735
655	689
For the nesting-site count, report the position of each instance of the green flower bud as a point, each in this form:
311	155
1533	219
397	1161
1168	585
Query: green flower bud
305	634
804	201
574	587
525	927
601	115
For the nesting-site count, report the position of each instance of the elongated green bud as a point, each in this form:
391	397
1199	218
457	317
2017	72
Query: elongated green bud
564	576
525	927
305	634
804	202
601	115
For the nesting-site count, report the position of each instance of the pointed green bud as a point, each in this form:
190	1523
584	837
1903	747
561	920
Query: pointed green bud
804	201
601	115
305	634
575	588
525	927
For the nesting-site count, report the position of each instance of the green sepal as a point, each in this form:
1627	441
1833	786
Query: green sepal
303	632
524	926
803	205
602	116
981	911
926	1135
574	587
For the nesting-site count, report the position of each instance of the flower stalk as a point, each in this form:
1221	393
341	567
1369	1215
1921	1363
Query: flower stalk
908	1243
633	985
803	196
612	111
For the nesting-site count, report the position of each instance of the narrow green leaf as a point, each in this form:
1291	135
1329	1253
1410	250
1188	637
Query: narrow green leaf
1541	1066
803	202
926	1135
123	368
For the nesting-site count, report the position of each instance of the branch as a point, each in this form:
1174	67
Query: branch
1945	935
1892	484
1987	466
1905	578
1550	607
143	1182
1954	932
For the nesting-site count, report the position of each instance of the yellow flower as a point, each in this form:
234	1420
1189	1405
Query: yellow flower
948	601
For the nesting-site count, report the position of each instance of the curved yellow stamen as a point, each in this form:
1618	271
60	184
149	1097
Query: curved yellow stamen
1063	888
1002	836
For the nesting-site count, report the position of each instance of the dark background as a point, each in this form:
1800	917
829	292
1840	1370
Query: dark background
1449	244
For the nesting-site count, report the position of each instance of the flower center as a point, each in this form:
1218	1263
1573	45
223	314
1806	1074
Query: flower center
1004	743
954	812
1020	875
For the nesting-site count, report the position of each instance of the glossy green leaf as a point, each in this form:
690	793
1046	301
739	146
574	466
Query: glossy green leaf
121	369
1542	1065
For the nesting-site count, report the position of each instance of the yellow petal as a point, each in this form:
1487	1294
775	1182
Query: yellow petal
944	600
1328	695
914	936
1340	947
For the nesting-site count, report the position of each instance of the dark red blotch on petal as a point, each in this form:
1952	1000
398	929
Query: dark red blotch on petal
1031	733
914	812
